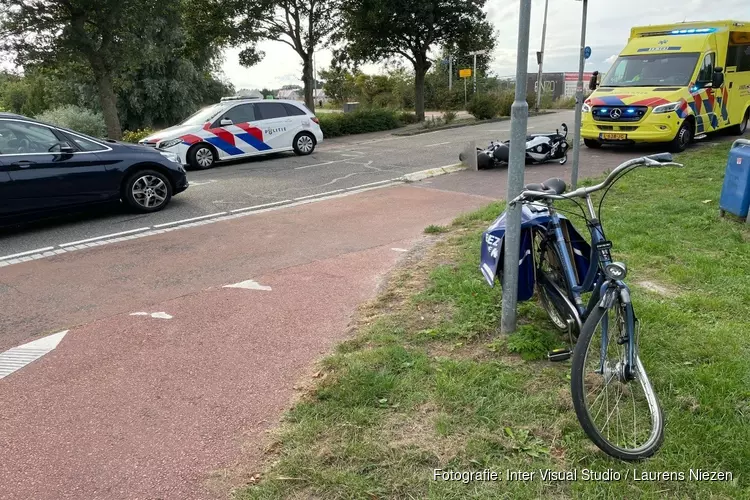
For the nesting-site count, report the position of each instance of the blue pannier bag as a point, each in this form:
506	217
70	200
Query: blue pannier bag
533	218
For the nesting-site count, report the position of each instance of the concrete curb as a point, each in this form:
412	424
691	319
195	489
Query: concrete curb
432	172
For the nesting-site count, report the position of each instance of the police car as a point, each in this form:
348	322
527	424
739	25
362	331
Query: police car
239	127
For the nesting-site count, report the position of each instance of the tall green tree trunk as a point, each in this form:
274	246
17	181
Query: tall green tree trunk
107	98
309	81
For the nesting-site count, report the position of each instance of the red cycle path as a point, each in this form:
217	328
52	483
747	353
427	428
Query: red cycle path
140	407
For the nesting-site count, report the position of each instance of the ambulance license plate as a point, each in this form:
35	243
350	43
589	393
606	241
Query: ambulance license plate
613	137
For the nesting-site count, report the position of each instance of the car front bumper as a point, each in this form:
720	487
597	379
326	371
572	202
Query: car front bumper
653	128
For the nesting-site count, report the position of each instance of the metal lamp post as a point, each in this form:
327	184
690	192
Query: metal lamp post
539	86
474	74
579	99
518	127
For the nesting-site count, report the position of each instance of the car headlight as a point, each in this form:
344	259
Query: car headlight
668	108
173	157
585	108
169	143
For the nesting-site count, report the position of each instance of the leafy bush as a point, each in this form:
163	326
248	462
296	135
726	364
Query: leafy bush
449	116
483	106
564	103
407	118
75	118
359	122
136	135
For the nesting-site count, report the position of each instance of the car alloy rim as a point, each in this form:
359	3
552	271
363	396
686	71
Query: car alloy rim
305	144
204	157
149	191
685	137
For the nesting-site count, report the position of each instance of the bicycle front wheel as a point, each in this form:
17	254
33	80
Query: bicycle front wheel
620	414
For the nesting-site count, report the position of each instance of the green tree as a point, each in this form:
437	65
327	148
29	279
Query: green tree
303	25
373	30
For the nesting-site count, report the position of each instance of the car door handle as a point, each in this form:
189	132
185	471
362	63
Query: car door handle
22	164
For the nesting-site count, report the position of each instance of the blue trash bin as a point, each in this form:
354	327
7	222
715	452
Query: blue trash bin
735	193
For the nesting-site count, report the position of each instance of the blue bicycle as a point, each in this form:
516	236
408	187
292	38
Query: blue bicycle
612	395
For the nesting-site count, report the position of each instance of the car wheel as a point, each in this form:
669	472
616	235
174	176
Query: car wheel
147	191
683	138
592	143
741	127
201	156
304	144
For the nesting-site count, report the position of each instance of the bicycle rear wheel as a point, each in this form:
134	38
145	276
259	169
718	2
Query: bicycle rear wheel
621	416
549	265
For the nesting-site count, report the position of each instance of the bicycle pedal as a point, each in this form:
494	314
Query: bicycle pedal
559	355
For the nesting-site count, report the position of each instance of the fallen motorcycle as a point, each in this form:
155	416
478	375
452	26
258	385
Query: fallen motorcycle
540	148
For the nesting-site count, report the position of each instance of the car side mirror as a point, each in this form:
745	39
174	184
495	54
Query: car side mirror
718	77
593	84
63	148
226	121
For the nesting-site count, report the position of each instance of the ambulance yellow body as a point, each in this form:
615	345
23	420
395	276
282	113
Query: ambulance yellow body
672	83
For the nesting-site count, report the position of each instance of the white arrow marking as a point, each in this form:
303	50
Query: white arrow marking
18	357
249	285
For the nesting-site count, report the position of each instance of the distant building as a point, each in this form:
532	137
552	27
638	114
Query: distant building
559	84
254	93
320	97
291	94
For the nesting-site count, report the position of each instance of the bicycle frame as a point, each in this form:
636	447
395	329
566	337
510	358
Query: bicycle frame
604	290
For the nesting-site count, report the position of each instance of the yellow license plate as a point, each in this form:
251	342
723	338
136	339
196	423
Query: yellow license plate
613	137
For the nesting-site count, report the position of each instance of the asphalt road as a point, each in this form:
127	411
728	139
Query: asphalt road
338	163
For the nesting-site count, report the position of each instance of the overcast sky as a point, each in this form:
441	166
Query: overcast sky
609	23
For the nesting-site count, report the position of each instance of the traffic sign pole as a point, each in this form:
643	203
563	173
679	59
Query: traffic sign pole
579	101
539	85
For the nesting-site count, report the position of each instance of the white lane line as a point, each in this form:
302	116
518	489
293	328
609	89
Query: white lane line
265	205
353	156
202	183
396	179
316	195
249	285
157	315
113	235
319	164
436	144
16	358
29	252
399	249
183	221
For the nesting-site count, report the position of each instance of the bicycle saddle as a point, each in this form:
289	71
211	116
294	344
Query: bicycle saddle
554	186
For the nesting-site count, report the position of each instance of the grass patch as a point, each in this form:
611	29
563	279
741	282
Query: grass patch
433	229
429	383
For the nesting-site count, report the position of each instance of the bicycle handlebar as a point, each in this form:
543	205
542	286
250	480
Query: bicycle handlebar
656	160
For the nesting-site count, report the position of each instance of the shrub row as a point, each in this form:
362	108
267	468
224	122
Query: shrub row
136	135
363	121
75	118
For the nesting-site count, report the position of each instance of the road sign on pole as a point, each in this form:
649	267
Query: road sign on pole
587	52
518	126
464	73
579	100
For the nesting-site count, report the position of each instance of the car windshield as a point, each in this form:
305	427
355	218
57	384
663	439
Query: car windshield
651	70
203	115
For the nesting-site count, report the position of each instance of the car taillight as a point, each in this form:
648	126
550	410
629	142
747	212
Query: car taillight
315	119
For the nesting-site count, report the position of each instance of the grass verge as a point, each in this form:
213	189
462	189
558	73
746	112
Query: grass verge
429	383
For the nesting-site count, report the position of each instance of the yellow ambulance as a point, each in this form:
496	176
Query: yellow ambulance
671	84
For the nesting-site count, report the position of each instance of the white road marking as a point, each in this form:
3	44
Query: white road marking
113	235
256	207
436	144
18	357
316	195
249	285
157	315
372	184
319	164
399	249
355	156
183	221
201	183
29	252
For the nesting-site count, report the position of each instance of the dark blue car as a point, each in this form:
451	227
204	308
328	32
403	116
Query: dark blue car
46	168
